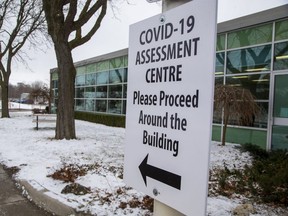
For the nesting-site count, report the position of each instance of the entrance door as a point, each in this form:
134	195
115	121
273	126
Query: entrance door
279	139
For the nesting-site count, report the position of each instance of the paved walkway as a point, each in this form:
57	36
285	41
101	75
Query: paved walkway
12	203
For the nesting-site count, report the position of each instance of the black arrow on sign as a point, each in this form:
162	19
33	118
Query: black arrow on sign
163	176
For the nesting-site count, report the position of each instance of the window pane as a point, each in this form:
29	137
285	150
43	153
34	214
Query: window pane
116	76
219	64
258	84
80	80
103	66
125	91
220	42
55	92
115	91
91	68
281	96
124	107
91	79
81	70
79	92
54	84
254	59
80	105
262	118
125	74
281	30
125	61
250	36
101	105
281	56
279	137
89	104
217	116
102	77
117	62
219	81
114	106
90	92
101	92
54	75
259	120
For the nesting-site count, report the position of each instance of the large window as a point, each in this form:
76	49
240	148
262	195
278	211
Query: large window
102	86
253	59
244	59
250	36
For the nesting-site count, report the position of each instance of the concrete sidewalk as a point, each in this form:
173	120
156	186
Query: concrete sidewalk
12	203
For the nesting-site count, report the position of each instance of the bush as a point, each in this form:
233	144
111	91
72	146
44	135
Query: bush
266	179
109	120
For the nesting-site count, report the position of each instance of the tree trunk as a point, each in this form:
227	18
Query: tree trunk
4	98
65	125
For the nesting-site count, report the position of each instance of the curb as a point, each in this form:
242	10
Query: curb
46	202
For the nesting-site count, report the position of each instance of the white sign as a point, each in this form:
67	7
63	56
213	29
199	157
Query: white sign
169	105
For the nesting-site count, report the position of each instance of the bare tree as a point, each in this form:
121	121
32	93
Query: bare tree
236	102
40	92
20	22
65	20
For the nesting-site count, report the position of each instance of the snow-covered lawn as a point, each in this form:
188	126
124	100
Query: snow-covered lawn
99	150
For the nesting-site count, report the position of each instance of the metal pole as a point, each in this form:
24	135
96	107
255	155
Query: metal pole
160	209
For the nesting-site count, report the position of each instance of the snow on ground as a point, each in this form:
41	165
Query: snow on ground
38	155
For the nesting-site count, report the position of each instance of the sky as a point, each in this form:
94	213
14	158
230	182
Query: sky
114	34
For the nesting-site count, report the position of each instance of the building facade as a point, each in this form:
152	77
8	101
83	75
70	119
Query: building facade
251	52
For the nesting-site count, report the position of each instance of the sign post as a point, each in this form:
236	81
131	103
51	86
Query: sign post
169	105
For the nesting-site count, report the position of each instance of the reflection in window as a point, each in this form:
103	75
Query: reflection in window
89	92
220	42
116	76
250	36
79	92
80	105
80	80
81	70
114	106
258	120
55	93
117	62
124	107
101	92
91	68
262	118
254	59
54	84
218	80
281	56
281	30
91	79
217	116
219	64
101	105
115	91
258	84
103	66
89	104
125	91
102	77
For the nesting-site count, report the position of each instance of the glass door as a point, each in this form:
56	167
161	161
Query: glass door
279	139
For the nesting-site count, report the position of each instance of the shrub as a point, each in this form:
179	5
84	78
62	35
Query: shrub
109	120
266	179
